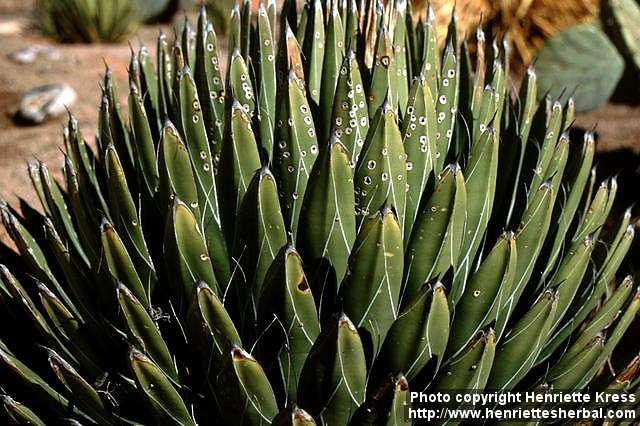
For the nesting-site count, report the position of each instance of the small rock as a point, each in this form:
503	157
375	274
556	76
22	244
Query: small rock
29	54
44	102
11	27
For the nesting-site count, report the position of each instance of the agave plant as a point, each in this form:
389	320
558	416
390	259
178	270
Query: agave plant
218	11
87	21
348	214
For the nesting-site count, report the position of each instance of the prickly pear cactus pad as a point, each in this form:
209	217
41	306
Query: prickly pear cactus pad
344	214
619	18
580	62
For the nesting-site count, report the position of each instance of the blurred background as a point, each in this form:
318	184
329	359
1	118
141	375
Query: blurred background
53	53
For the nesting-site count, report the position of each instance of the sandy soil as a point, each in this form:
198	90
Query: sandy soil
80	66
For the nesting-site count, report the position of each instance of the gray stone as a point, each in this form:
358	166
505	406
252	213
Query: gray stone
30	54
44	102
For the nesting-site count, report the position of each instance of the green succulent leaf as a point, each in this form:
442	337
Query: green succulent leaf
419	130
246	390
199	149
267	85
296	149
381	174
438	232
31	381
350	119
314	44
128	222
327	227
334	52
529	239
481	175
217	319
332	382
83	393
418	335
164	399
260	235
383	88
143	141
471	369
239	161
287	300
20	413
387	405
485	294
145	332
120	264
446	105
614	338
371	290
519	349
209	84
192	252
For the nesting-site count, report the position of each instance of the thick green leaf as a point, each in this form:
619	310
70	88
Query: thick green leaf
332	382
287	299
296	149
84	395
199	149
383	89
165	401
145	333
143	141
485	294
529	239
259	237
517	353
566	374
209	83
128	221
333	56
419	334
193	256
419	132
31	381
267	81
313	44
121	266
471	369
615	335
239	161
434	246
327	228
245	392
371	289
481	175
350	119
381	174
386	405
20	413
218	321
446	105
401	55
